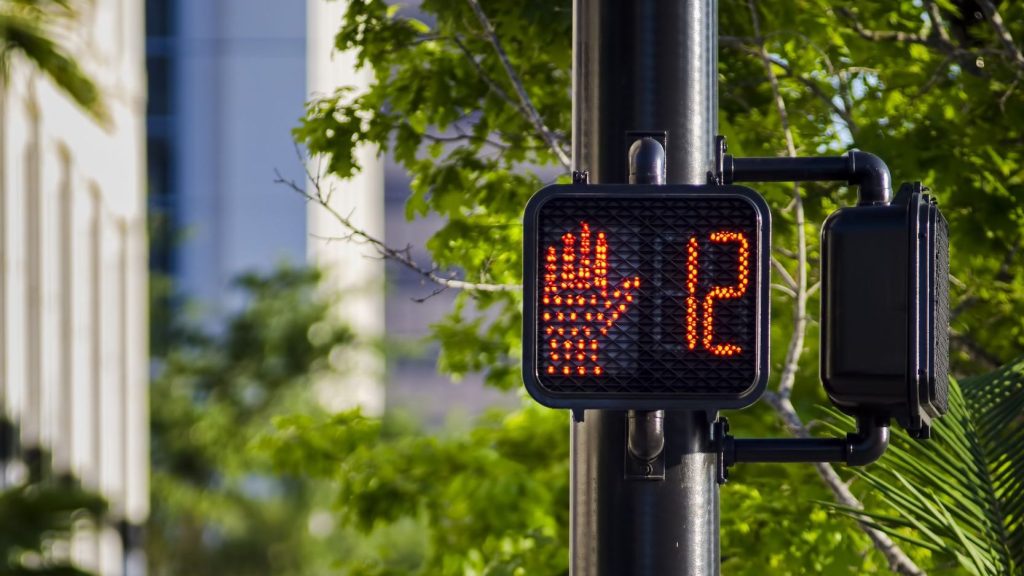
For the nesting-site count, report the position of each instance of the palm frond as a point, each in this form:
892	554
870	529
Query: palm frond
961	494
997	401
30	27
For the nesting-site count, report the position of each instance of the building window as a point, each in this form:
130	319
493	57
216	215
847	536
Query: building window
160	21
159	69
162	221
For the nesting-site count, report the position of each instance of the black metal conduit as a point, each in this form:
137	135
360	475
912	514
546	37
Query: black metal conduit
862	447
862	169
645	430
644	66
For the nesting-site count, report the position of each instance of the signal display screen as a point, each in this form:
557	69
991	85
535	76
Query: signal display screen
646	297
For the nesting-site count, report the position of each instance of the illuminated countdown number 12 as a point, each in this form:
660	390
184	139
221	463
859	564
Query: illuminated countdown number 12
716	293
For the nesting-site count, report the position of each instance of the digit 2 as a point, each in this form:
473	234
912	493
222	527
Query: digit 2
716	292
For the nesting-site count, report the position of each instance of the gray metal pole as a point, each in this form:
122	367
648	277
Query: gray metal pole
644	65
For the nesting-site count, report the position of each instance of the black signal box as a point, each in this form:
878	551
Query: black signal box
885	310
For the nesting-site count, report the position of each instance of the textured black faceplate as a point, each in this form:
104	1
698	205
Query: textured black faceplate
940	372
644	353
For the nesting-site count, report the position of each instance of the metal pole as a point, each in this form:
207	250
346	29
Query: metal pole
644	65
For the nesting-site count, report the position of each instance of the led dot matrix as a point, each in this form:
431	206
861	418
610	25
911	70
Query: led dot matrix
578	305
716	292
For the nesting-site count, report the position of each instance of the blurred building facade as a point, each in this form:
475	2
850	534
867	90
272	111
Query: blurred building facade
73	284
228	81
227	85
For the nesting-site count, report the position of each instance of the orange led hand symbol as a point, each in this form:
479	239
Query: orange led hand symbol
578	305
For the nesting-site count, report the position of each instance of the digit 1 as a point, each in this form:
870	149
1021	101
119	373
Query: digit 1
722	293
692	261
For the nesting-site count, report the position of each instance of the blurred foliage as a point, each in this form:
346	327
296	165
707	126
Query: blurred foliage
40	30
493	501
931	87
770	525
37	520
216	509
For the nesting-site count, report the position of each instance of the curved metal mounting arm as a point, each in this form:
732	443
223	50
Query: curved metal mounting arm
859	448
862	169
645	436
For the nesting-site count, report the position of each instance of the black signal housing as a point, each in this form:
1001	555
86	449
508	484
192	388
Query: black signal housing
885	310
644	361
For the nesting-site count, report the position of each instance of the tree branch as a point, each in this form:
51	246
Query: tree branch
796	342
785	290
939	40
938	25
884	35
784	251
780	401
899	562
487	78
403	256
527	105
844	114
463	137
790	282
1002	32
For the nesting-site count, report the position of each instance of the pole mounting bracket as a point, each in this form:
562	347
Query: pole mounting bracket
859	448
862	169
645	445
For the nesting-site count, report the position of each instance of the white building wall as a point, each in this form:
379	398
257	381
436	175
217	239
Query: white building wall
73	289
353	270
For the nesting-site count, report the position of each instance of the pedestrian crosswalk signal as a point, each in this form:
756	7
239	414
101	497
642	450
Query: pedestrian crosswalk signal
646	296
